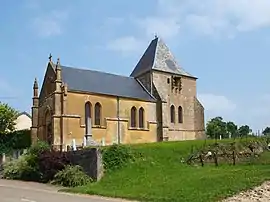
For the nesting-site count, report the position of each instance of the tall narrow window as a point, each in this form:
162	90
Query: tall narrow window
133	112
98	114
180	114
87	117
172	114
141	118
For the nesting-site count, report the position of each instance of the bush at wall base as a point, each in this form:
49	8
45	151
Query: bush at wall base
20	169
71	176
26	166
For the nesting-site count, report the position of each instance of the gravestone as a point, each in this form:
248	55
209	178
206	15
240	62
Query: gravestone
92	142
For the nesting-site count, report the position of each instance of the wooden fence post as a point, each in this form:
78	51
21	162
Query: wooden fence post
215	158
201	160
234	157
234	153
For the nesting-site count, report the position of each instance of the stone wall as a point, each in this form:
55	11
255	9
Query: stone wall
90	160
192	126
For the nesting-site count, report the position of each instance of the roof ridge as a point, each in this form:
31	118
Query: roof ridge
24	113
145	88
146	61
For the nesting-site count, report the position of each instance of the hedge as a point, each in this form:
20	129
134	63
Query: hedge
15	140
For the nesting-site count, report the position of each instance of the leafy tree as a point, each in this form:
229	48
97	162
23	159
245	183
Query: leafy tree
266	131
8	116
231	129
216	127
244	131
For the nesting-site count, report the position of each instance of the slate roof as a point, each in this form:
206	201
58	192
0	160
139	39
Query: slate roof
24	113
158	57
104	83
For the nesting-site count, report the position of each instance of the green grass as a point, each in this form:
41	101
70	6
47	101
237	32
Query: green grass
160	176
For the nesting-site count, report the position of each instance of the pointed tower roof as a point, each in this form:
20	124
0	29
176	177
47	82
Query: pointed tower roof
158	57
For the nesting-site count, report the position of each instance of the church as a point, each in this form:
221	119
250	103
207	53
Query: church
157	102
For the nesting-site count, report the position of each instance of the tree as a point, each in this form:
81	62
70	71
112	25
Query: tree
266	131
244	131
231	129
8	116
216	127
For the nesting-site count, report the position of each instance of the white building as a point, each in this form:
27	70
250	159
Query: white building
23	121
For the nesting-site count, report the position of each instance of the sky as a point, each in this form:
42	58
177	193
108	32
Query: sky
225	43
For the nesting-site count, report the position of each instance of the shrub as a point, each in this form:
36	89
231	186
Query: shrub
38	148
20	169
51	162
71	176
116	156
26	167
13	169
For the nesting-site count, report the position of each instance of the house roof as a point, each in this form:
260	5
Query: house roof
158	57
24	113
104	83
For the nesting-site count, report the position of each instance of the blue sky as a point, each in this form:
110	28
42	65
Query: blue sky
225	43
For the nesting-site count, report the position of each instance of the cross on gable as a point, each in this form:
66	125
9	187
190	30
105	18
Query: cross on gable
50	57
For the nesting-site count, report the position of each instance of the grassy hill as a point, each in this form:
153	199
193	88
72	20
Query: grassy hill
160	176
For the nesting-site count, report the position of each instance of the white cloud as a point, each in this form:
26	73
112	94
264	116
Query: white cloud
208	17
256	111
52	24
217	104
125	44
171	19
260	107
253	111
220	16
164	26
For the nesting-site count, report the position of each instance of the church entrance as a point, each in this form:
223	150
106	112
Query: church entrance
48	128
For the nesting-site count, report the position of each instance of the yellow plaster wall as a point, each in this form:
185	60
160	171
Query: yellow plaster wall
74	126
76	101
137	135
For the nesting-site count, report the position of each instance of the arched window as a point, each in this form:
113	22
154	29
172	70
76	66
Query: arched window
133	117
180	114
172	114
48	127
141	118
98	114
87	115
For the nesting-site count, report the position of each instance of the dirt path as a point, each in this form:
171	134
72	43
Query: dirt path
258	194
